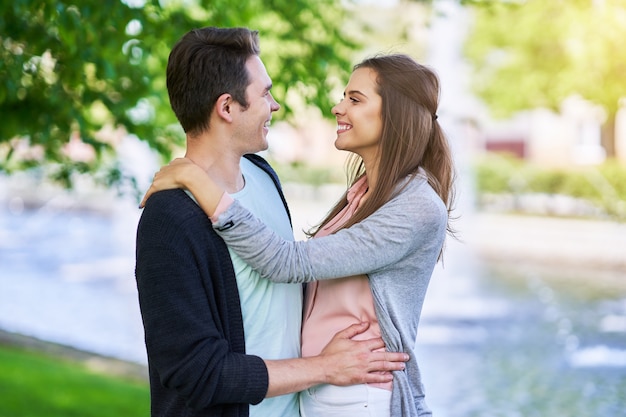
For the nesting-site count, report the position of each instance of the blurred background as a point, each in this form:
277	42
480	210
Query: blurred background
525	316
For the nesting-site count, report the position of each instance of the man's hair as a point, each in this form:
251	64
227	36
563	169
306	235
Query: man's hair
204	64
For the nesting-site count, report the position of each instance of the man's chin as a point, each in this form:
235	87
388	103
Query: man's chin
262	147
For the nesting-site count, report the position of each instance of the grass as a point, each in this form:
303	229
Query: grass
34	385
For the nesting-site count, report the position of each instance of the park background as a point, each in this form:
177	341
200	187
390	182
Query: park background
526	316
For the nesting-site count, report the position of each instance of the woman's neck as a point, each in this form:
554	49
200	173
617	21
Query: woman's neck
371	171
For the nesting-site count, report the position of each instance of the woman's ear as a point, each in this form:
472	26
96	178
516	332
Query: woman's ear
224	107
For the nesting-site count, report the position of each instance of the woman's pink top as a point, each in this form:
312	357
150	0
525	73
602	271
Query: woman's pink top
334	304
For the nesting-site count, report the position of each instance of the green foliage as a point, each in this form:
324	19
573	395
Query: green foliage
298	172
34	385
533	53
74	68
603	185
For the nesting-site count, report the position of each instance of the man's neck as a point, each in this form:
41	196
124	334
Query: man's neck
222	164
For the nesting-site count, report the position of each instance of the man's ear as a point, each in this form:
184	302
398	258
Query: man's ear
224	107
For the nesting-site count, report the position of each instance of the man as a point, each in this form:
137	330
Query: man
218	337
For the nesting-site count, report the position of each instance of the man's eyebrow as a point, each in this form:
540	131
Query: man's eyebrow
268	87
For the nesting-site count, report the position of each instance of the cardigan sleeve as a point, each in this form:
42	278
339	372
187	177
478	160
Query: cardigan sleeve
191	317
413	220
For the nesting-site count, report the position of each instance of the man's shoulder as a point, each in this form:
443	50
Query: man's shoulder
171	208
169	200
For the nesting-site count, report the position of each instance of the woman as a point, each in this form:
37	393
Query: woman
372	257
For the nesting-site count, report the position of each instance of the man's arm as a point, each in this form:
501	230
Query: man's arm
342	362
186	301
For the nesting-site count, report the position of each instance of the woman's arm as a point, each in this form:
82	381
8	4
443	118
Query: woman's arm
413	221
183	173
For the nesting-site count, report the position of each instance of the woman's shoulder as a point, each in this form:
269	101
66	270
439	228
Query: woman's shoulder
417	185
415	196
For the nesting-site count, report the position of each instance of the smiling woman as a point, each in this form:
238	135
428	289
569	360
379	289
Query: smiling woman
359	119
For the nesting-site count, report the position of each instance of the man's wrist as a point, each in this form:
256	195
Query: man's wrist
319	370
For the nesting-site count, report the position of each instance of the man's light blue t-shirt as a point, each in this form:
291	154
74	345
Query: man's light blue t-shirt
272	312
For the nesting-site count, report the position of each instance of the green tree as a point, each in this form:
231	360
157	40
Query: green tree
535	53
71	68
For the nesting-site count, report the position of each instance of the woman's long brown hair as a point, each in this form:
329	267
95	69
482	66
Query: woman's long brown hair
411	136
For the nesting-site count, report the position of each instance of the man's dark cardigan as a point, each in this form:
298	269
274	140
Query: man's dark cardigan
191	312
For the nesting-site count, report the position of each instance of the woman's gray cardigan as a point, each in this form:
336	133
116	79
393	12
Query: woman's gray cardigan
397	247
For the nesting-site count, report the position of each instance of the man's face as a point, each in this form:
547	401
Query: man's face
251	124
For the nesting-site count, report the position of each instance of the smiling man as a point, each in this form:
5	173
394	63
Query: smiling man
220	340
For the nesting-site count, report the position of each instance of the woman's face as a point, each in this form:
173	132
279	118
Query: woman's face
359	115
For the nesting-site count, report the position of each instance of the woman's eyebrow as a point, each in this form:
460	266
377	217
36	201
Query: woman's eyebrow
352	92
